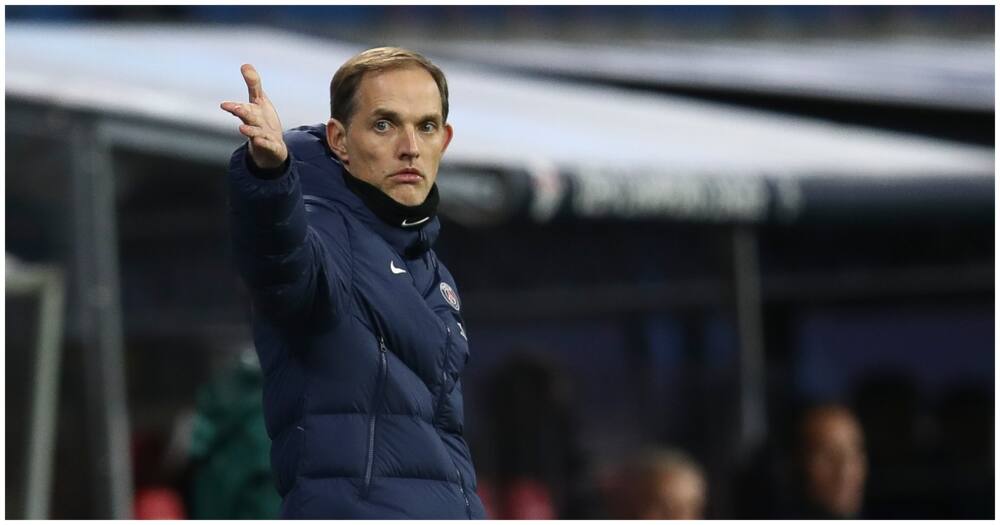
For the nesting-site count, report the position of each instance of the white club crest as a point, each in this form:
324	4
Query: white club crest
449	295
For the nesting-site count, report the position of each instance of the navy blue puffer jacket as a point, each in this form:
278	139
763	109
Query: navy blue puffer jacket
358	329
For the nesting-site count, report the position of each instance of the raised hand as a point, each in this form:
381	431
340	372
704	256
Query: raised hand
260	123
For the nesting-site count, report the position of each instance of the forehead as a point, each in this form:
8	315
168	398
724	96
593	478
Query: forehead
405	90
680	475
833	427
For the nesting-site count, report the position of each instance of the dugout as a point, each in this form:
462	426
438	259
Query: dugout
936	86
656	233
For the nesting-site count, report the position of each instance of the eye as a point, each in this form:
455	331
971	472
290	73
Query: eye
428	127
381	126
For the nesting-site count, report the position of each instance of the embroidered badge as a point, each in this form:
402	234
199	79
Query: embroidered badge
450	296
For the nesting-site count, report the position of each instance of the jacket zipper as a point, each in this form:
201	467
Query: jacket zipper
383	369
461	479
461	487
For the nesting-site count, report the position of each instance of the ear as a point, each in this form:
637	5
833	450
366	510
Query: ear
336	138
449	132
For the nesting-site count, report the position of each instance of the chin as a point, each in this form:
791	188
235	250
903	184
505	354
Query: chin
408	196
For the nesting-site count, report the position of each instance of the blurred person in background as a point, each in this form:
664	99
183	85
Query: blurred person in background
356	322
833	463
536	465
659	484
230	474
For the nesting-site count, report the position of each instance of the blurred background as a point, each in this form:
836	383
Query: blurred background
721	262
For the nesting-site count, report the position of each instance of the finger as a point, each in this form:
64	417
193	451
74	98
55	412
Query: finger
251	132
248	113
232	107
252	78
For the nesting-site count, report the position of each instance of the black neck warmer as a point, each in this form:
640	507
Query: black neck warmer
390	211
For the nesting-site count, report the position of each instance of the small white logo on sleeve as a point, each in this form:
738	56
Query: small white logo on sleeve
450	295
393	269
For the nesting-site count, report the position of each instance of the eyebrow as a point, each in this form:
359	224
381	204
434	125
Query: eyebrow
396	117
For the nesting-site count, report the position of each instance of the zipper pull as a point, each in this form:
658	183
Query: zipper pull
381	345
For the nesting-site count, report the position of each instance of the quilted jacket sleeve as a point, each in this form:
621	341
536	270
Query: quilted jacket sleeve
278	255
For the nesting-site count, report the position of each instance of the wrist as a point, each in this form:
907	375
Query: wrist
268	172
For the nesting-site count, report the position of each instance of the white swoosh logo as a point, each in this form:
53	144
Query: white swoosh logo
421	221
393	269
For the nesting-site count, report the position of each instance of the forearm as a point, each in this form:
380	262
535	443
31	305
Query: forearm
275	250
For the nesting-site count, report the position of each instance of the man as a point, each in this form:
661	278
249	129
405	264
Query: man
833	463
356	322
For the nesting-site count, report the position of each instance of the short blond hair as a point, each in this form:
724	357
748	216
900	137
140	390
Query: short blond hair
344	85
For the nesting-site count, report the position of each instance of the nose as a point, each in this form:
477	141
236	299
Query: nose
408	147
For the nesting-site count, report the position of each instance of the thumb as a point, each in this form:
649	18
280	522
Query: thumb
252	79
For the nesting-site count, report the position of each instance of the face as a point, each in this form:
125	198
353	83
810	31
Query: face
835	462
396	136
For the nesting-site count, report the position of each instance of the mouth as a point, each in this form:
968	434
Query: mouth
407	176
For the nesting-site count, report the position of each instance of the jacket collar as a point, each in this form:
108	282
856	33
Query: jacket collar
334	183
